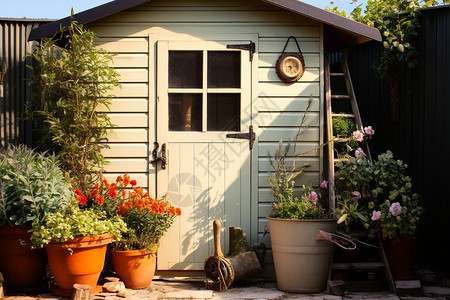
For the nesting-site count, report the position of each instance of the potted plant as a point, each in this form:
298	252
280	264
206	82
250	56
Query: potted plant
382	192
31	185
293	225
76	240
134	256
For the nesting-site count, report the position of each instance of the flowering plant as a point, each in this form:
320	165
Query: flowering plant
282	182
380	194
147	218
354	142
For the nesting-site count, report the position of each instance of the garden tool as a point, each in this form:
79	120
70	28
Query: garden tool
345	242
223	271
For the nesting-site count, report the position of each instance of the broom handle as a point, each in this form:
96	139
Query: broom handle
216	232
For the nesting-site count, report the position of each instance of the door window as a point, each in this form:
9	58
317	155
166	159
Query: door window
204	90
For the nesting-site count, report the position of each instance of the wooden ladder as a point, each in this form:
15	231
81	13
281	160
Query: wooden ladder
371	264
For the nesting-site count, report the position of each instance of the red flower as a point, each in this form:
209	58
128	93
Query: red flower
126	179
128	205
105	182
112	192
124	194
94	191
120	212
77	192
133	182
82	200
178	211
119	179
99	199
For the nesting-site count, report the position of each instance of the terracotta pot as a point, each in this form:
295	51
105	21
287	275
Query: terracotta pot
136	268
19	264
401	257
79	260
301	262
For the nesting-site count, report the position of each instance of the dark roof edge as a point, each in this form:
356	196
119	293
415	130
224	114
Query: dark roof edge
329	18
83	17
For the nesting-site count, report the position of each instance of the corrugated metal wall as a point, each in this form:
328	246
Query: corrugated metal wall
421	137
15	92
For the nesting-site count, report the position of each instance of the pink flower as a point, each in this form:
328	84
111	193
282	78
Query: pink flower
359	153
356	196
395	209
376	215
358	135
369	131
314	196
324	184
366	195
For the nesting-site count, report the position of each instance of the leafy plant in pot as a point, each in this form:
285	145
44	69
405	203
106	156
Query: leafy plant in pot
294	223
31	185
76	241
147	219
391	210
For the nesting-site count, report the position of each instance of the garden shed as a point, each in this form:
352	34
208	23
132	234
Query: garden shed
193	72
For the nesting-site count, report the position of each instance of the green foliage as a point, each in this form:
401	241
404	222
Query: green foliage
307	208
283	180
74	222
365	190
343	127
70	84
31	185
398	23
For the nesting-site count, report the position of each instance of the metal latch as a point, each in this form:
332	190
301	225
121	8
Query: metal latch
163	157
250	136
249	47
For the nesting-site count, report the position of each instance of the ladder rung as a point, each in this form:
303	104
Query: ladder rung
358	265
336	160
343	115
340	97
336	74
336	140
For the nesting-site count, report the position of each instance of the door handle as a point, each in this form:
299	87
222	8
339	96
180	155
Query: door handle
250	136
163	157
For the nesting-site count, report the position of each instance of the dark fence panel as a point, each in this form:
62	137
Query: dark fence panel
421	137
14	90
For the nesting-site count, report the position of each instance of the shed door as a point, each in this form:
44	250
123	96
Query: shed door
203	94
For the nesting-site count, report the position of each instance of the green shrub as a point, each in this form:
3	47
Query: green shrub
32	185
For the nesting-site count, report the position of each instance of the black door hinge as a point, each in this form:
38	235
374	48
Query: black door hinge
250	136
249	47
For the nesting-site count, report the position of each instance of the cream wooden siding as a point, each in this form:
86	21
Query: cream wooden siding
278	108
128	145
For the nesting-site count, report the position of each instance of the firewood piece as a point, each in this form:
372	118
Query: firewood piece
81	292
238	242
245	264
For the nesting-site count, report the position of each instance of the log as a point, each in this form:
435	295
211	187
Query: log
245	264
81	292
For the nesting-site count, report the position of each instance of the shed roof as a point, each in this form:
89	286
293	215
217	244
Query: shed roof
340	32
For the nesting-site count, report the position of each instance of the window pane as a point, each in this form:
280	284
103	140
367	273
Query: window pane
185	112
224	69
224	112
185	69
